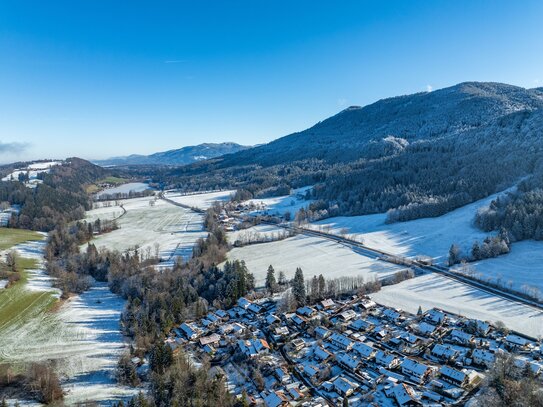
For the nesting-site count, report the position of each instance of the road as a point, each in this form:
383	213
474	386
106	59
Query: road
395	259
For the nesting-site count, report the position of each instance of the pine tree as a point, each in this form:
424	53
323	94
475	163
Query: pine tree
270	280
419	311
298	288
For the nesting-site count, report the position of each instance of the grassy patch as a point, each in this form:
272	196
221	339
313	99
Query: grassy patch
17	304
113	181
12	237
94	188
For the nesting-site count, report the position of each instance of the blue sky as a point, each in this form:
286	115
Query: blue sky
102	78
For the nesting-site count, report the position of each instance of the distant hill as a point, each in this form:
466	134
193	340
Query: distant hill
181	156
418	155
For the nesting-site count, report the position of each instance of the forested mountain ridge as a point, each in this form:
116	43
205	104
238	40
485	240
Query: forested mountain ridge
181	156
61	197
349	135
416	155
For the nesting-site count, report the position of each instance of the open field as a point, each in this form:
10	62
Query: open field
281	204
427	236
201	201
432	290
522	266
82	338
314	255
103	213
175	229
12	237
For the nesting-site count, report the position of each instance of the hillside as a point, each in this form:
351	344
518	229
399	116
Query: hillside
420	155
181	156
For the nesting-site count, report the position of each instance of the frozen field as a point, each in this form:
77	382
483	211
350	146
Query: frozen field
202	201
428	236
522	266
314	255
125	189
433	290
279	205
175	229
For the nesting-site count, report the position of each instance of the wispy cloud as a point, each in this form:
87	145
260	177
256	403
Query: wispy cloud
13	147
429	88
342	102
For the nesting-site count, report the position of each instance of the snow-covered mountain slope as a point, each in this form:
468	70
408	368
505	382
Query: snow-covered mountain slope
181	156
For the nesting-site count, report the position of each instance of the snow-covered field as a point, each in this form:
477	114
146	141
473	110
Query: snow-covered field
124	189
175	229
432	290
202	201
522	266
280	205
104	213
32	170
83	337
428	236
257	232
314	255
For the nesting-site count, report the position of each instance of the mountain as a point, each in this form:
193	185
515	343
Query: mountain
414	155
181	156
354	132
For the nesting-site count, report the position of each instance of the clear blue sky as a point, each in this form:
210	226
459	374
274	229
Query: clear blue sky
102	78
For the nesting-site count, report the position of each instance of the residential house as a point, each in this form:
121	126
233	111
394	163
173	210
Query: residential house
405	396
418	371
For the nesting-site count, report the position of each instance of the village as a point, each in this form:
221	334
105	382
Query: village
349	352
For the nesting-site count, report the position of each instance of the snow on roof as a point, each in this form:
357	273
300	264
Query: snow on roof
443	350
435	315
483	355
274	399
344	385
213	338
403	394
454	374
414	367
463	336
348	361
517	340
321	353
244	303
340	339
363	349
426	328
384	358
328	303
348	314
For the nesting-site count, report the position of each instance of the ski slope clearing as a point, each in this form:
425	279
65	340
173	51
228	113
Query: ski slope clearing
201	201
432	290
281	204
428	236
124	189
522	266
314	255
173	228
